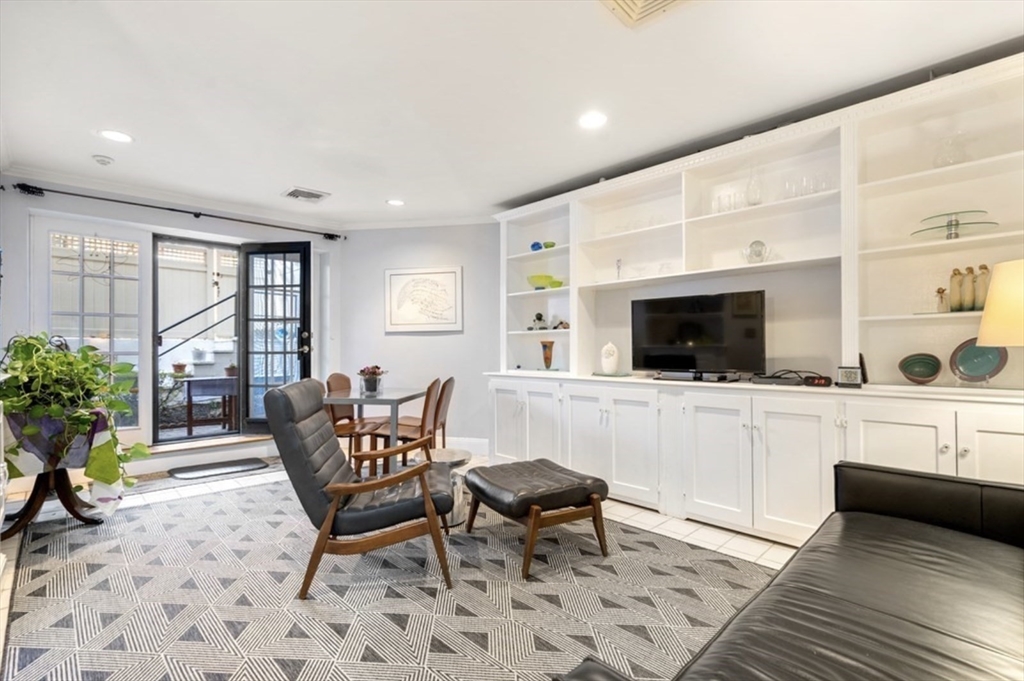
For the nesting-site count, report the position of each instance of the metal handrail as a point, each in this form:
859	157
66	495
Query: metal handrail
196	314
197	333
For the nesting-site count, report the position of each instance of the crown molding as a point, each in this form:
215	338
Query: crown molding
480	220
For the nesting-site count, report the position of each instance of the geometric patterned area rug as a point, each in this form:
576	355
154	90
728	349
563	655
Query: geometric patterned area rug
204	589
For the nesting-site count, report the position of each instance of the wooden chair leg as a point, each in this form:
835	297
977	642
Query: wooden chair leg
595	501
473	506
532	528
444	524
435	531
318	548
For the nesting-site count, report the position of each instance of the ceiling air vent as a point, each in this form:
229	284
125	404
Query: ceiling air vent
635	12
307	195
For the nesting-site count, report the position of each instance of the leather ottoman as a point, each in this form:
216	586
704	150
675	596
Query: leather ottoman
538	494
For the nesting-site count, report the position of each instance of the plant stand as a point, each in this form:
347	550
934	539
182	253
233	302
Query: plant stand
58	481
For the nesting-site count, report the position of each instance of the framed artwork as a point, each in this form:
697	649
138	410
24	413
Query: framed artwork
423	299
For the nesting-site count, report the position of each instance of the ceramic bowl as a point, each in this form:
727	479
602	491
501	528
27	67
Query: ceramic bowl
555	283
920	367
549	244
539	281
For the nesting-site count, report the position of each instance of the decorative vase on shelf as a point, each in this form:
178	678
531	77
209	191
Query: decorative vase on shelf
955	283
967	290
609	359
981	287
547	346
753	193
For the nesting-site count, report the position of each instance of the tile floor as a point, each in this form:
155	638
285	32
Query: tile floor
733	544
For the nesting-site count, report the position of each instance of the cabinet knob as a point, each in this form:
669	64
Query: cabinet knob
964	451
944	449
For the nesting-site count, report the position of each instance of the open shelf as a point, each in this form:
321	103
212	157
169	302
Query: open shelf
923	317
542	253
542	332
707	274
943	245
767	210
645	231
563	290
962	172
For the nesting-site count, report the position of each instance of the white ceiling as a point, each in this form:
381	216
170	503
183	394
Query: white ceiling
454	106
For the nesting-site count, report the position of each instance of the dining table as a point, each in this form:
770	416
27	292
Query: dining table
392	398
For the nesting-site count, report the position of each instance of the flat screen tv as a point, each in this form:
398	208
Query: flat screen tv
708	334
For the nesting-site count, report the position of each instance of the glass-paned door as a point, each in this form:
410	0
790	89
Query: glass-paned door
276	336
196	340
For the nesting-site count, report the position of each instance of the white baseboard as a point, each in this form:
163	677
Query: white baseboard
476	445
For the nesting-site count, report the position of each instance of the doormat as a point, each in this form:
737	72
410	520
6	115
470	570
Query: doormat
207	470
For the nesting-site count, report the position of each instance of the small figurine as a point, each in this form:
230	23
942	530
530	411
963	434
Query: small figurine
981	287
538	323
562	325
967	290
955	283
942	304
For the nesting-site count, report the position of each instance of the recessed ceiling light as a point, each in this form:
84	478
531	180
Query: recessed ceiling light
116	136
396	202
592	120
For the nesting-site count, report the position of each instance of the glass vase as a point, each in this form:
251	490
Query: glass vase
369	385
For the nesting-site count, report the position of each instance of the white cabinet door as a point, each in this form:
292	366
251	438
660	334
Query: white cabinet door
506	442
634	445
887	433
670	446
584	419
794	450
540	420
990	443
717	458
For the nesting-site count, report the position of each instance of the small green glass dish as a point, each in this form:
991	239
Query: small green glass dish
539	281
921	368
549	244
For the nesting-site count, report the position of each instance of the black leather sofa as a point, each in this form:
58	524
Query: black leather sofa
915	576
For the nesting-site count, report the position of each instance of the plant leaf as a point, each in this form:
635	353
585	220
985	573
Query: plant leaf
30	429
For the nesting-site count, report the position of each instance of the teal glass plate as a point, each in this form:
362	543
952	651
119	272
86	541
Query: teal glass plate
975	364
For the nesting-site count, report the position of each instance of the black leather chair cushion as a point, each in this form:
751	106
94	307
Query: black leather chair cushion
789	633
592	669
308	446
511	488
966	587
1002	514
382	508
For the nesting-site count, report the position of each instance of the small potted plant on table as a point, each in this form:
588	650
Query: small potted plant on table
369	378
60	406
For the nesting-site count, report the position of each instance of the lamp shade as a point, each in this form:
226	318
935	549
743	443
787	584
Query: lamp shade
1002	322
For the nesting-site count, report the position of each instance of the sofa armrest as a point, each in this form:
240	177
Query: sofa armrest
592	669
990	510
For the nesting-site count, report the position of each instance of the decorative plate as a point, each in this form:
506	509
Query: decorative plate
975	364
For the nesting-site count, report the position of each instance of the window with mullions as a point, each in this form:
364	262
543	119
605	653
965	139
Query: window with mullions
94	299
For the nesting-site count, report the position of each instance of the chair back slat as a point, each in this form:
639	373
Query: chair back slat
427	425
337	382
443	402
309	450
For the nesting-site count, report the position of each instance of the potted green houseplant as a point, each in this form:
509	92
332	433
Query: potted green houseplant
231	370
61	407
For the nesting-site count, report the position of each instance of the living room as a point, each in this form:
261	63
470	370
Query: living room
561	222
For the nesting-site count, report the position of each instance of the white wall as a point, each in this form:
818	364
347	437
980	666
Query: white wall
414	359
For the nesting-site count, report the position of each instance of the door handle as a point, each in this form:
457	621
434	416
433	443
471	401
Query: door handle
303	349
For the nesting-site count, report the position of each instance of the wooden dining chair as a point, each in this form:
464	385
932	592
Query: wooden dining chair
441	419
343	416
408	433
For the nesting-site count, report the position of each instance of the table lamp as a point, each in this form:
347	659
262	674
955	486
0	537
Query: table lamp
1002	322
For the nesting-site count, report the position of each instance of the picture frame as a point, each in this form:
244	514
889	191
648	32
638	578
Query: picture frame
423	299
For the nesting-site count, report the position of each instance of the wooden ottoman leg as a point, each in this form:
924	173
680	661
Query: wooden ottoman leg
473	506
532	528
595	501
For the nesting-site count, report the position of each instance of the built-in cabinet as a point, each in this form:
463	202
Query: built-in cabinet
759	462
840	201
973	441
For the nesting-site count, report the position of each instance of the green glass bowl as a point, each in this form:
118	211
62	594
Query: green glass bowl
549	244
920	367
555	283
539	281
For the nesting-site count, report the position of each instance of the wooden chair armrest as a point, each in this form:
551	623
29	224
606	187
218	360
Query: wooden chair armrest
341	488
422	443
